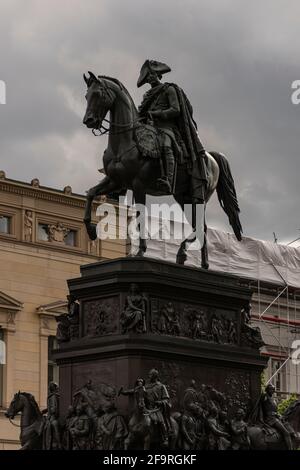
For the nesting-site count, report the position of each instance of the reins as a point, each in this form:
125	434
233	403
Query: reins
14	424
128	126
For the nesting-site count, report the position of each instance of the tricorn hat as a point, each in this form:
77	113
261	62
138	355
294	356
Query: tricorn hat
151	65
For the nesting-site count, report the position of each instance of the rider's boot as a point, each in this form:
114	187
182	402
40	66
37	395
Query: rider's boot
166	182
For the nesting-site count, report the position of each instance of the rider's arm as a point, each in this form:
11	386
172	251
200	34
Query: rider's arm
174	107
126	392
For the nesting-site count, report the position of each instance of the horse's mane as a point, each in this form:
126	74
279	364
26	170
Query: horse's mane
32	401
121	86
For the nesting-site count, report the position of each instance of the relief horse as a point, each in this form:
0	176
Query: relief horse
32	420
126	168
143	432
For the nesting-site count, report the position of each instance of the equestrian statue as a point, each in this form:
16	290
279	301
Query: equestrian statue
156	150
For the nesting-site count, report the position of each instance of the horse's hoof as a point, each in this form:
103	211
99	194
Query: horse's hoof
204	265
140	253
181	259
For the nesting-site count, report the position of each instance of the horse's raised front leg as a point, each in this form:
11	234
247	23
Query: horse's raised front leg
104	187
181	256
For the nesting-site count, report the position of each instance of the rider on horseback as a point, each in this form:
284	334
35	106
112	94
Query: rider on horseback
270	415
166	107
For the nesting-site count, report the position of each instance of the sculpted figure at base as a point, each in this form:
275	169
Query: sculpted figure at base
190	427
252	335
158	403
140	422
68	325
190	395
201	421
133	317
80	429
165	318
268	430
271	416
151	424
86	397
198	325
217	439
111	429
239	428
51	434
67	438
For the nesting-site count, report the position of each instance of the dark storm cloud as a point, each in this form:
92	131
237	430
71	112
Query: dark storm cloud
235	60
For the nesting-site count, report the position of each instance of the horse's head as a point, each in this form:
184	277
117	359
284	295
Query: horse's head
16	405
100	98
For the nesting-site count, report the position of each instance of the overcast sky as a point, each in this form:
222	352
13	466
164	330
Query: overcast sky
236	61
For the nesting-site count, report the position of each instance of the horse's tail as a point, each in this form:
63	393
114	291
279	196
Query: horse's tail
227	194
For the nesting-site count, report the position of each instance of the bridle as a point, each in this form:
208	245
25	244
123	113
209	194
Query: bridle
124	127
14	424
18	425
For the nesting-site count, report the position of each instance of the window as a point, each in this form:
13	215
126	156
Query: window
279	379
43	232
70	239
2	362
53	375
5	224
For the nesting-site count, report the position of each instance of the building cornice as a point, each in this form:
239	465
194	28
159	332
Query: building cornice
22	189
47	194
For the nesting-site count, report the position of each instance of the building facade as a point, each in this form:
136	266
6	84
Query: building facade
276	311
43	242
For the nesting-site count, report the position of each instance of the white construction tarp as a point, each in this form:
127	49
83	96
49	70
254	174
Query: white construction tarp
250	258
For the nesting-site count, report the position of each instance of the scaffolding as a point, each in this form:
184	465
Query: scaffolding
273	272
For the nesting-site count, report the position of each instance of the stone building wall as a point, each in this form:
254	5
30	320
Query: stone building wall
37	257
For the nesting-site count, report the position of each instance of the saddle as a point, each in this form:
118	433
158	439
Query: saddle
147	140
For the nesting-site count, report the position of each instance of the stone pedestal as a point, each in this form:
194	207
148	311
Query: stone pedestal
193	328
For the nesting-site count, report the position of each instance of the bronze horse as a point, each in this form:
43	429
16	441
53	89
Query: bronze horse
125	168
142	431
32	420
